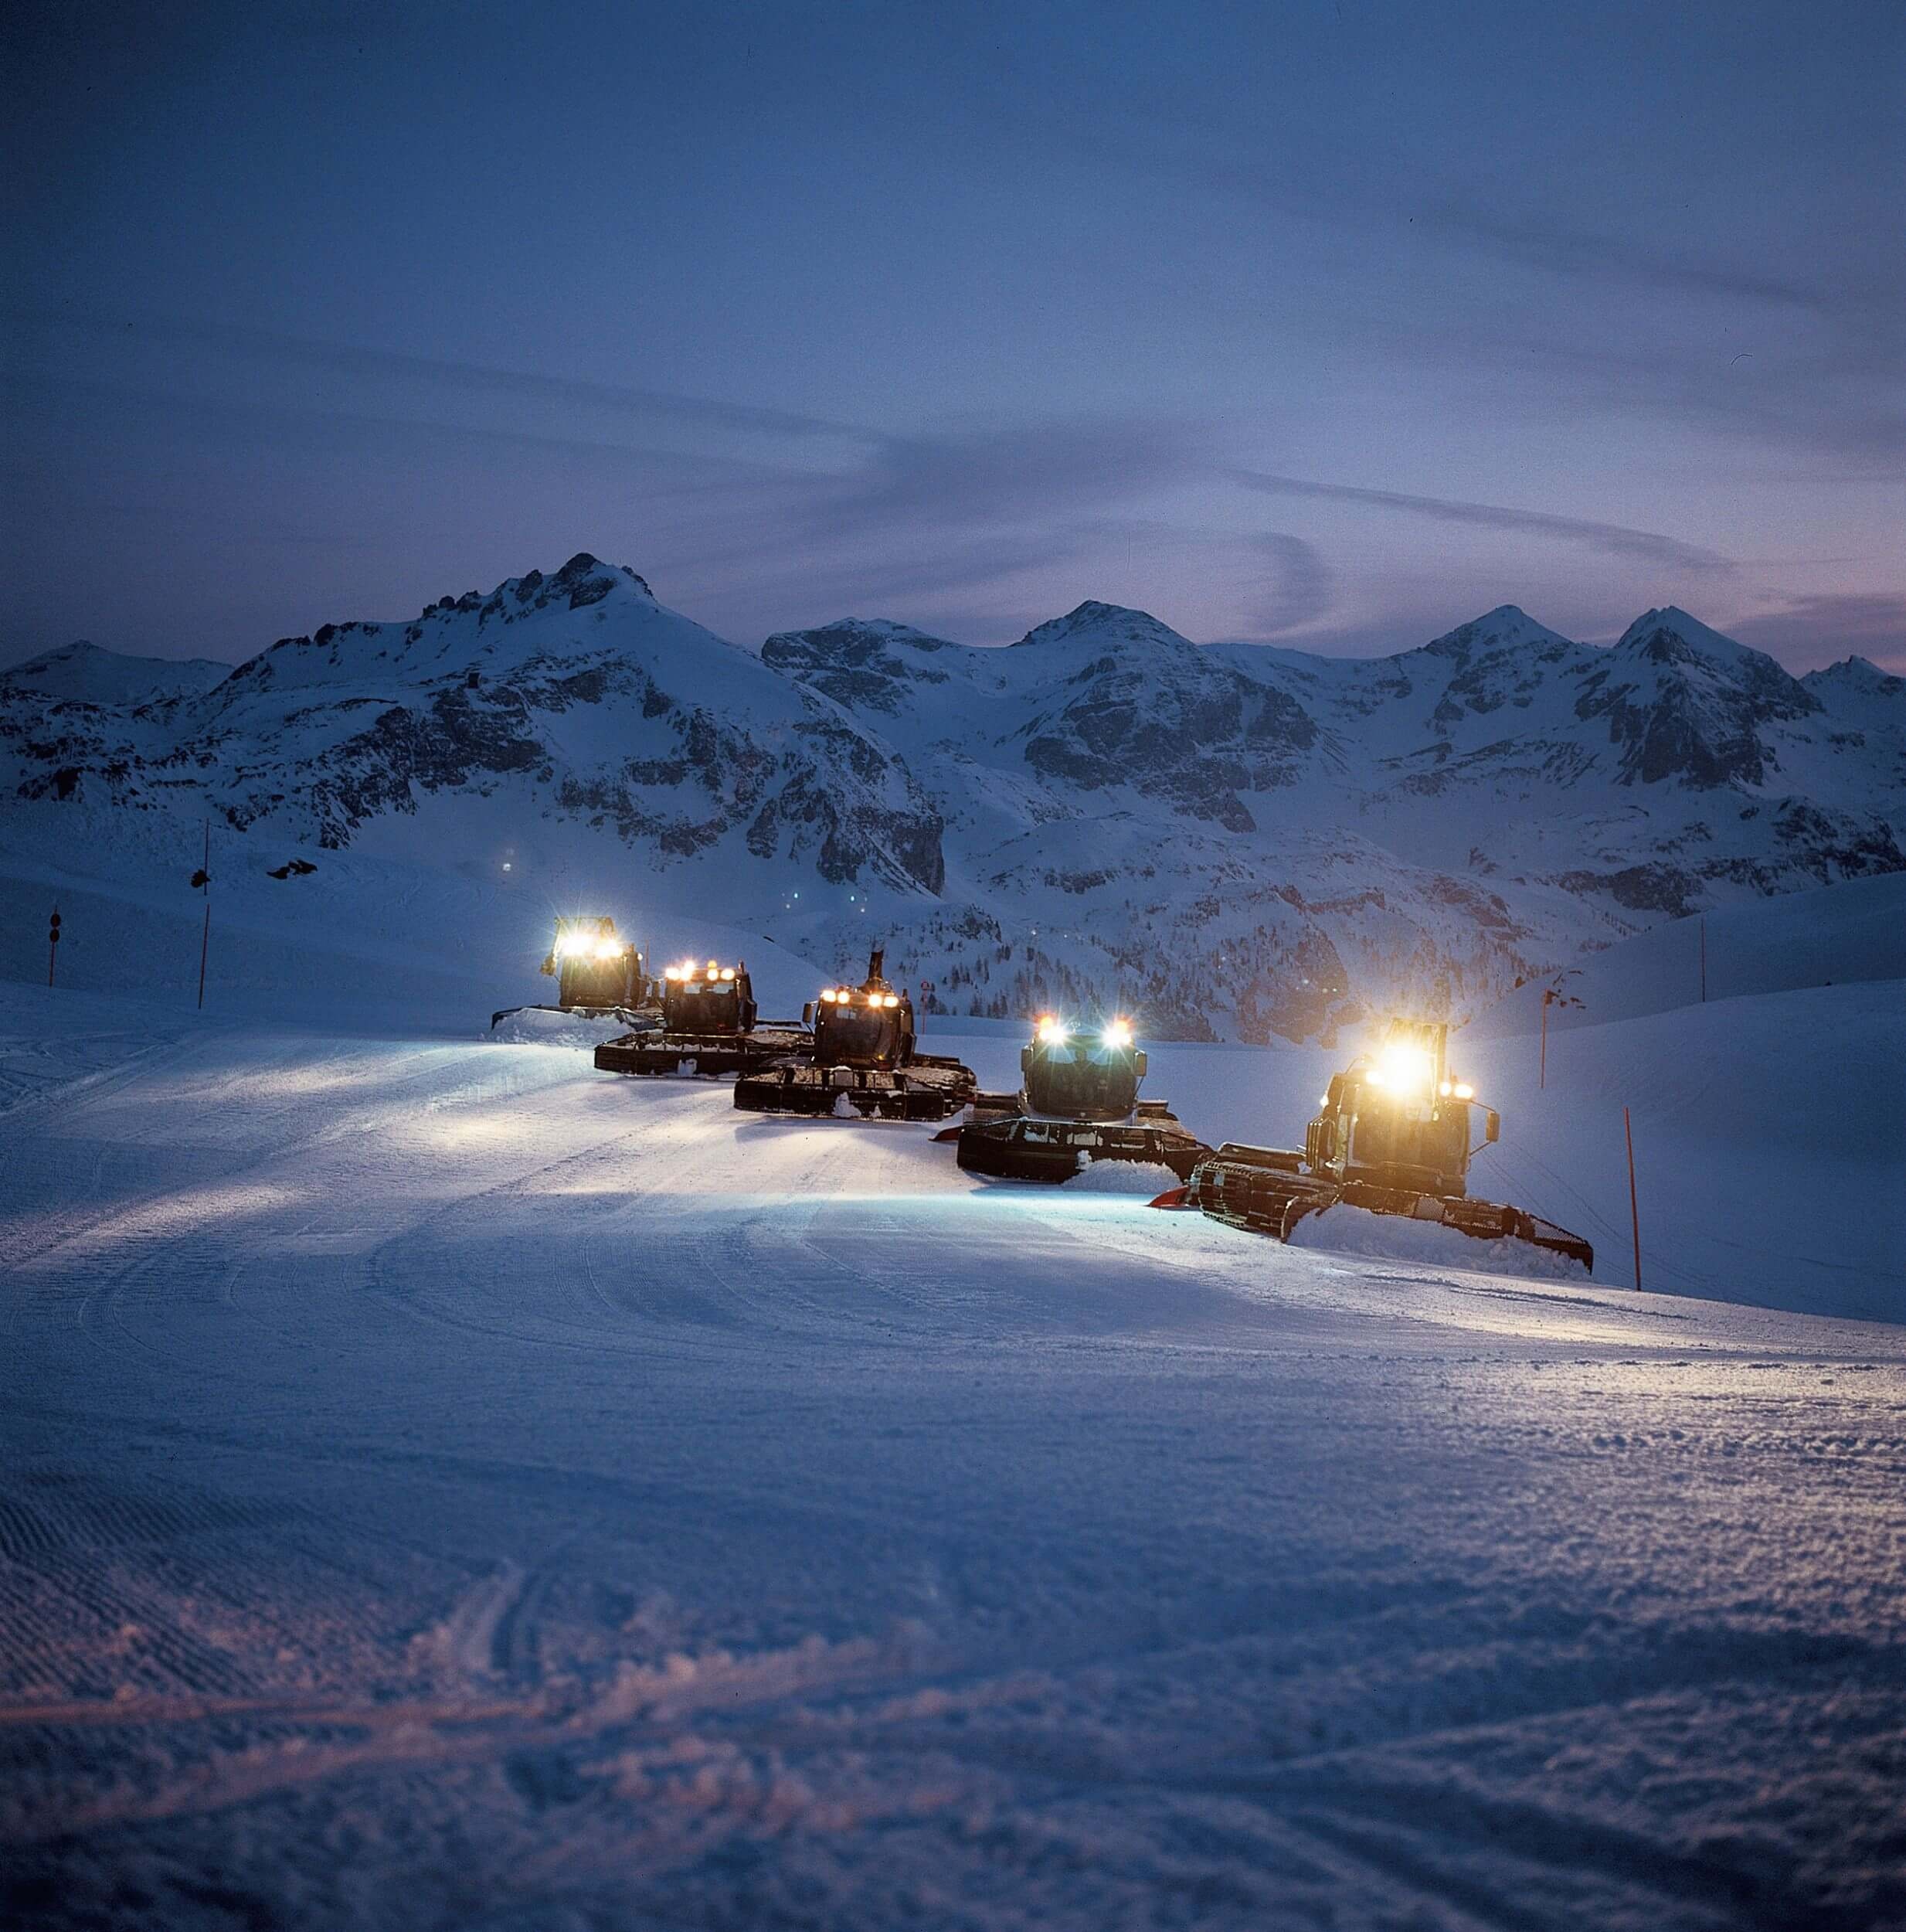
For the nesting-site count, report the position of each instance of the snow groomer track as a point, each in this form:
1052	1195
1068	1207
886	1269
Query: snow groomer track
443	1486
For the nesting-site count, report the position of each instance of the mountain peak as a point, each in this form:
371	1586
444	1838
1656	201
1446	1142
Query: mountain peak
582	567
1506	627
1670	634
92	674
1106	624
1856	674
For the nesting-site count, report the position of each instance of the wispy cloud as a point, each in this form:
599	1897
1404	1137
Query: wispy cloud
1001	475
1614	539
1564	250
222	364
1815	631
1301	591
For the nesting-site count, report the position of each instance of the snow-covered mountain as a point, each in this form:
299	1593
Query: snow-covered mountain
95	675
1235	840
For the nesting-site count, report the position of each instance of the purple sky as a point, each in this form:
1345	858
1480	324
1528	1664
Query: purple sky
1336	324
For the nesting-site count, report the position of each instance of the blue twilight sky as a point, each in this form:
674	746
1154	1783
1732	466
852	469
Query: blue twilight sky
1334	322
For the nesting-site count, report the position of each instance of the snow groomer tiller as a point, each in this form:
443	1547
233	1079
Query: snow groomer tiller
1078	1104
709	1028
597	976
863	1062
1394	1138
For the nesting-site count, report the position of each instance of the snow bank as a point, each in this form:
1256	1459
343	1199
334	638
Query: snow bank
1143	1178
550	1026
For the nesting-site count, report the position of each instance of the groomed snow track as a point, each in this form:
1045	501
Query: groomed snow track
439	1486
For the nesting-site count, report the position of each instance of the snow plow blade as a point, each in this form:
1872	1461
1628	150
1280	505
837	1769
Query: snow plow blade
658	1054
627	1016
1263	1189
927	1088
1026	1148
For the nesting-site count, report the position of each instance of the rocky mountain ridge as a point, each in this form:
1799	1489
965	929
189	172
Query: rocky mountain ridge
1234	840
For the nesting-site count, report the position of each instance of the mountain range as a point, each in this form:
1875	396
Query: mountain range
1234	840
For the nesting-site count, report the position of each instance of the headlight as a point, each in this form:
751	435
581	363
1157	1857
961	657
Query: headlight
827	995
1465	1091
1118	1034
728	972
1404	1066
890	999
608	949
1053	1032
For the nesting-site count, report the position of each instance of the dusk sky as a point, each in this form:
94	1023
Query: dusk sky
1333	323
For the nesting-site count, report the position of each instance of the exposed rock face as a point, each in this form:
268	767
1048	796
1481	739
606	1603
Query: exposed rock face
1229	839
1130	703
1684	702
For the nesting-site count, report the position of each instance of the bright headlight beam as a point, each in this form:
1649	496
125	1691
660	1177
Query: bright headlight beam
1403	1066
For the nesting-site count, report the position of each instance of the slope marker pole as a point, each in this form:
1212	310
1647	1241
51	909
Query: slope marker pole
204	938
1703	959
1634	1209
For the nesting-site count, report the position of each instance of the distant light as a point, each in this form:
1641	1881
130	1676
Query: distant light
506	864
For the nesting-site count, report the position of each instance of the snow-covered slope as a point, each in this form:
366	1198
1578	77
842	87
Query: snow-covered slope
1853	932
1232	841
91	674
440	1486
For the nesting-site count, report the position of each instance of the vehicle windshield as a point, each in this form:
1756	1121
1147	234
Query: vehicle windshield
1385	1136
702	1006
1099	1083
602	975
857	1032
